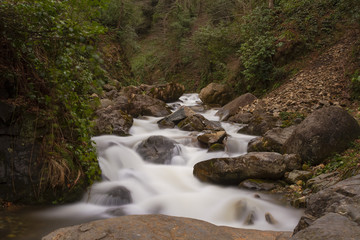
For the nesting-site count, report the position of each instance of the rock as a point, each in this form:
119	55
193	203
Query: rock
216	147
259	124
143	105
226	171
272	141
169	92
104	103
270	218
232	107
299	202
112	121
211	138
173	119
342	198
259	184
160	227
115	196
244	118
326	131
199	123
292	161
216	93
330	226
158	149
323	181
296	175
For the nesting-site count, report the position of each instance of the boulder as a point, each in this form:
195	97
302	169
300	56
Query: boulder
330	226
112	121
326	131
259	124
323	181
212	138
232	107
160	227
199	123
169	92
261	165
115	196
158	149
342	198
173	119
259	184
272	141
216	93
297	175
143	105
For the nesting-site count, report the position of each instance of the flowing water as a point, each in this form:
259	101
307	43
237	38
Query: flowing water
169	188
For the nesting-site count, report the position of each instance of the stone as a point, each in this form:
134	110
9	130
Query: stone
216	93
143	105
272	141
232	107
169	92
296	175
158	149
323	181
176	117
199	123
112	121
211	138
259	184
330	226
259	124
160	227
266	165
326	131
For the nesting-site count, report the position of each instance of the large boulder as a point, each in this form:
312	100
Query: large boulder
330	226
159	227
158	149
232	107
112	121
143	105
258	123
326	131
260	165
216	93
272	141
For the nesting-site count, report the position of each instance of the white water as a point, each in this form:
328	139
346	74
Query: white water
172	189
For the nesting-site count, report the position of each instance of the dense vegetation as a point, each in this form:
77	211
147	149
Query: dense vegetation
56	54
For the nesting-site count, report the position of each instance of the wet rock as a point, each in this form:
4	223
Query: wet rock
296	175
217	147
325	132
250	219
143	105
299	202
158	149
115	196
330	226
323	181
159	227
199	123
176	117
232	107
112	121
212	138
216	93
272	141
234	170
270	218
259	184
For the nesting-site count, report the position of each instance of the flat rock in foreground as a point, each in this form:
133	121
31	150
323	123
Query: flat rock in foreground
160	227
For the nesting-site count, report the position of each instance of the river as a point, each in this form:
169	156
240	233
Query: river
169	188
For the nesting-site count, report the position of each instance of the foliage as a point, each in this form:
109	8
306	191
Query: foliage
50	54
347	163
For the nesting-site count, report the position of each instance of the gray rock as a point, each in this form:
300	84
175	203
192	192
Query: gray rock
176	117
199	123
211	138
216	93
259	124
158	149
323	181
272	141
330	226
264	165
143	105
112	121
259	184
296	175
169	92
326	131
159	227
232	107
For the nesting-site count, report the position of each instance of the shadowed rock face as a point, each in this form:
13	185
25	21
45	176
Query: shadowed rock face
324	132
159	227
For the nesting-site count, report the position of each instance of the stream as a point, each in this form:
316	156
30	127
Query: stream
169	188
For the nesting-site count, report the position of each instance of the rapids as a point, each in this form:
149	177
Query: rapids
171	188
